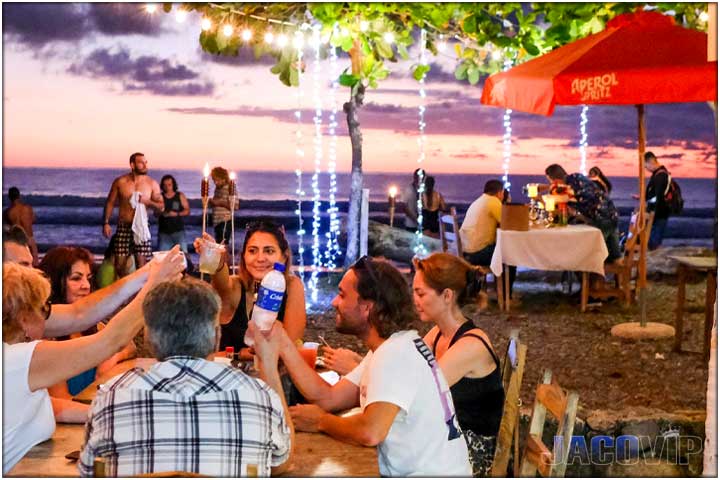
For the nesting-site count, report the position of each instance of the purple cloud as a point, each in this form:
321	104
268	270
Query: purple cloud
145	73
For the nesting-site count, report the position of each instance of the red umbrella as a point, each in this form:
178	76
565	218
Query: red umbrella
641	57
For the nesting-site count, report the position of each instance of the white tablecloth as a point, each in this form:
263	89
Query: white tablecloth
578	248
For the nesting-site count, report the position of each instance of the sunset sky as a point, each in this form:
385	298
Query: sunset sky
85	85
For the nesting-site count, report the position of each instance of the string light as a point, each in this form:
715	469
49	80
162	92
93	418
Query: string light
507	136
181	16
282	40
583	139
151	8
704	17
318	148
269	37
206	24
419	247
364	26
228	30
332	250
497	55
389	37
246	35
300	154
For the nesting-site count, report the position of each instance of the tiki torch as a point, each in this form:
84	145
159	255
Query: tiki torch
233	193
391	200
204	194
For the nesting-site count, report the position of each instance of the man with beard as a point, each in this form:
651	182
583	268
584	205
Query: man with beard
123	189
406	406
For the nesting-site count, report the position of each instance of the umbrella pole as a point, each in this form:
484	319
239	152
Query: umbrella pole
642	265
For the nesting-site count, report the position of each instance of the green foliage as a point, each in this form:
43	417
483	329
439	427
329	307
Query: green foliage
520	31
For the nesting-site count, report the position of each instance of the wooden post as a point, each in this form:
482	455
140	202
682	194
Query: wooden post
364	214
680	306
642	264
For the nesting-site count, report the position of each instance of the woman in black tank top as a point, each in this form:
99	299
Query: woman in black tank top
443	283
264	245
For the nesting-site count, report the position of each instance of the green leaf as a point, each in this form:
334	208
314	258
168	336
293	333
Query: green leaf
420	72
473	75
469	25
346	43
221	40
531	48
294	77
383	48
402	51
348	79
461	71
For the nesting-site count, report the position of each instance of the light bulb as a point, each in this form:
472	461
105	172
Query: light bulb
180	16
364	26
269	37
228	30
704	17
344	32
496	55
246	34
150	8
282	40
389	37
206	24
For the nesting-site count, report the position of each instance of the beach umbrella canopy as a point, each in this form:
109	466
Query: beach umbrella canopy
640	57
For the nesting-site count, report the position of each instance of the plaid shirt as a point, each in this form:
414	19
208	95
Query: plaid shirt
185	414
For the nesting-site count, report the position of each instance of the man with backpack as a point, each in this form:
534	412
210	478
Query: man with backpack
663	197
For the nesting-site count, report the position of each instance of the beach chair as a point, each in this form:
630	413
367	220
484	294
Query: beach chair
626	270
450	233
509	433
538	458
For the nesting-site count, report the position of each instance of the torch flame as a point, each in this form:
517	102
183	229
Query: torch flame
206	170
393	191
233	176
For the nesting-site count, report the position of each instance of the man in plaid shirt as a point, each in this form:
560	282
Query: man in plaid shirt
187	413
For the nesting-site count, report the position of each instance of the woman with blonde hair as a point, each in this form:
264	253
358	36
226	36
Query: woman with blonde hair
265	244
31	365
444	283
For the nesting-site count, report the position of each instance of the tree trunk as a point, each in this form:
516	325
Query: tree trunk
351	109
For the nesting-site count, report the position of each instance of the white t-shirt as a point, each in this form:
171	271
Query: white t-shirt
27	416
420	442
410	198
479	229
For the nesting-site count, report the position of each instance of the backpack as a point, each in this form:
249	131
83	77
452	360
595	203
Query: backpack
673	196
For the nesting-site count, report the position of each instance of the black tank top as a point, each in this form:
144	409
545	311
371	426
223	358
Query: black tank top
478	401
171	224
233	332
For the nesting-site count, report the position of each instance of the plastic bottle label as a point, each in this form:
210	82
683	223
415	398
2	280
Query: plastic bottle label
269	299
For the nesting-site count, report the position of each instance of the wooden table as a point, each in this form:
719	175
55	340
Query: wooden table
579	248
316	454
708	266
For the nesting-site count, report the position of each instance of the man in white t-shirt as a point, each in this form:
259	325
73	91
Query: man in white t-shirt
406	405
409	199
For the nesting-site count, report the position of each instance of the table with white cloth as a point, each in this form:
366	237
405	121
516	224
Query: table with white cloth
579	248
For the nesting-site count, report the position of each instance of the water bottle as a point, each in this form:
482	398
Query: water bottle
270	296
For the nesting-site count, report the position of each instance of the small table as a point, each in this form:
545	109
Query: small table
316	454
707	265
579	248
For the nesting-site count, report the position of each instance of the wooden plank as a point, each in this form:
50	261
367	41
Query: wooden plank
511	413
565	430
538	455
584	293
537	425
553	398
680	306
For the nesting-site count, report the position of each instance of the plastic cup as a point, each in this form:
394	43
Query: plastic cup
309	353
210	257
159	256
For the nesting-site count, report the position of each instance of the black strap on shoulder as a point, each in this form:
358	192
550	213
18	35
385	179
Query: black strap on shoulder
437	339
463	332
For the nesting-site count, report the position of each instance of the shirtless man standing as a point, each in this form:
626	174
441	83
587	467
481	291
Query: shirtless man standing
21	214
123	188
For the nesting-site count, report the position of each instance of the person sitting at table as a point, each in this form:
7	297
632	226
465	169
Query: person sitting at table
31	365
265	244
86	312
478	232
187	412
406	406
70	271
443	283
589	204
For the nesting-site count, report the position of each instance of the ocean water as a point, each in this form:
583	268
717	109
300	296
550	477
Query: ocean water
69	202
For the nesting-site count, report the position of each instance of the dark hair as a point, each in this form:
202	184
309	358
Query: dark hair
385	286
596	172
135	155
556	172
429	187
57	264
181	318
13	193
443	270
278	232
493	187
174	182
220	173
650	156
15	234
